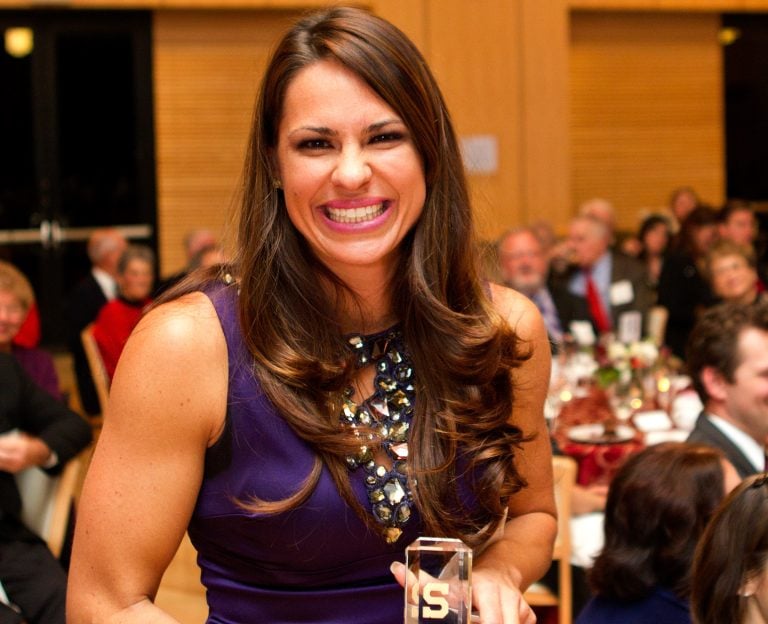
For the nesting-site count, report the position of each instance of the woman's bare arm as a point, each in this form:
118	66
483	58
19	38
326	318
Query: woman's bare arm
167	405
524	552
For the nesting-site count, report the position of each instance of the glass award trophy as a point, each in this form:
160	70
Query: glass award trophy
438	582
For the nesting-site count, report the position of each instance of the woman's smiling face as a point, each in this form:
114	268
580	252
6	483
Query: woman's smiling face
351	174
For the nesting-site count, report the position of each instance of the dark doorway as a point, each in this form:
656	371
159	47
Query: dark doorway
77	150
745	50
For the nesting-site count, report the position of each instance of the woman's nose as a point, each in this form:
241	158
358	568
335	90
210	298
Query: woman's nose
352	169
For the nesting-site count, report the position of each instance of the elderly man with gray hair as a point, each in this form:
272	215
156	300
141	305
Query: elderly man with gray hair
524	266
105	246
607	291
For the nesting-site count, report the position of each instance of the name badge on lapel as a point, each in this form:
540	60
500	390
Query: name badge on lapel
622	293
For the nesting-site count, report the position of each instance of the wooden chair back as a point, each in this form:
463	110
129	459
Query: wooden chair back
46	502
564	469
98	371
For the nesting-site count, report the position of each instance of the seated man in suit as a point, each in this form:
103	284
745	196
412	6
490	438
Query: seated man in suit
524	266
727	359
105	246
35	430
604	288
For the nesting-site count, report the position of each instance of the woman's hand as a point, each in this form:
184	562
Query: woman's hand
498	600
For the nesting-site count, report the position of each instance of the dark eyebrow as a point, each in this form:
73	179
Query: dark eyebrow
381	124
321	130
327	132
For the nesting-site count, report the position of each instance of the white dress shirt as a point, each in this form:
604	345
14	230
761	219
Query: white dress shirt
753	451
106	282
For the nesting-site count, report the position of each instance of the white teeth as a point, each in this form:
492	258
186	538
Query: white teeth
355	215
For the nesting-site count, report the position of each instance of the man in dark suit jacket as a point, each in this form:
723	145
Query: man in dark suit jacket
618	282
727	359
706	432
105	246
35	430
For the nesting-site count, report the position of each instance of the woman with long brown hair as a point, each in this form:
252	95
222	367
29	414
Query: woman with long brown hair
730	570
344	387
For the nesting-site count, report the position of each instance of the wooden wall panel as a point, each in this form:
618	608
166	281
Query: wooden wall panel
545	148
497	80
503	67
207	66
602	5
646	108
293	5
408	15
670	5
474	53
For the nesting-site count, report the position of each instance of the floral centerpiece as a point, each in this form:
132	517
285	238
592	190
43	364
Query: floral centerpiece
635	375
618	363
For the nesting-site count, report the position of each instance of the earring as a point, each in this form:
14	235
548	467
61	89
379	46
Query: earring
277	183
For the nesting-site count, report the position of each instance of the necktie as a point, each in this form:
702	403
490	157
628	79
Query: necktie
596	309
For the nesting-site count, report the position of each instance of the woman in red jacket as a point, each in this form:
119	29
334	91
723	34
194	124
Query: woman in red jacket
116	320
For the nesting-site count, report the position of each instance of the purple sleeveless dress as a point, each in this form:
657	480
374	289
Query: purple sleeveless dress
317	563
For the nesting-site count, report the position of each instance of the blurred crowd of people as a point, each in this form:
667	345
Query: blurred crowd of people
38	426
704	269
594	280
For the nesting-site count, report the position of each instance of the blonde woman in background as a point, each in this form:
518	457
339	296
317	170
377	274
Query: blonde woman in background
16	300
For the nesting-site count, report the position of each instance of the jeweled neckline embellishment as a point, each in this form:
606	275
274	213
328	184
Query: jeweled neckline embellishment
388	412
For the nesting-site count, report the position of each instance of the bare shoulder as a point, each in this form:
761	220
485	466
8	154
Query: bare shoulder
525	320
520	312
190	321
179	337
175	358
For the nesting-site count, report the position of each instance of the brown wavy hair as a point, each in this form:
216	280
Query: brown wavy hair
732	551
714	341
658	505
462	351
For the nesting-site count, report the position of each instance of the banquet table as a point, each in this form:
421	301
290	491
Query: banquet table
588	429
599	457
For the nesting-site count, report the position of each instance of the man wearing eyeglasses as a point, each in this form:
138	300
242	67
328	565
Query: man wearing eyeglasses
524	266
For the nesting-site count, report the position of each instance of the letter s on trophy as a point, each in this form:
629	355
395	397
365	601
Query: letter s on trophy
438	582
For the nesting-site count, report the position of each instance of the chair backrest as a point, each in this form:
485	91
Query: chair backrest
564	477
46	502
98	371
